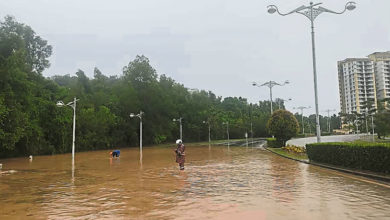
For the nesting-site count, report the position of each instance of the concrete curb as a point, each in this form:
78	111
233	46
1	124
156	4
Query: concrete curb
379	177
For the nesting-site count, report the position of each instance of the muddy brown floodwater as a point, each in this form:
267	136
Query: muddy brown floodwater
217	183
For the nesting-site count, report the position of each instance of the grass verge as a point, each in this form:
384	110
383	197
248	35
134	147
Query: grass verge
288	154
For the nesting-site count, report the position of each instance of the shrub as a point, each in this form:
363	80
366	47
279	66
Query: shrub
304	135
326	133
159	138
294	149
283	125
365	156
272	142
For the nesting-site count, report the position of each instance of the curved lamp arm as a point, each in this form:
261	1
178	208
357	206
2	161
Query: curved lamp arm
349	6
273	8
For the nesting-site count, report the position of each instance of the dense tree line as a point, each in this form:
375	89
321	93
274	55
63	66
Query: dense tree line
31	123
327	124
376	117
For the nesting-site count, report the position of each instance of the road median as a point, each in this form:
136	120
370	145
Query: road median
368	174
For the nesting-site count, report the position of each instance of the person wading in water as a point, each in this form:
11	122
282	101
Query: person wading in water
180	154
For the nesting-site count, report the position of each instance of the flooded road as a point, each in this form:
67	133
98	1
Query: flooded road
242	183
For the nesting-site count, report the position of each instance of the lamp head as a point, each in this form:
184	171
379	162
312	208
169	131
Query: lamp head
271	9
174	119
286	82
132	115
254	84
60	104
350	6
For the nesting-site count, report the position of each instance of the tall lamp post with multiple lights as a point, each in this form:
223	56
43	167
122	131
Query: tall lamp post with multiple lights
208	123
270	84
181	127
73	105
251	125
328	123
312	12
372	127
303	124
132	115
227	131
283	100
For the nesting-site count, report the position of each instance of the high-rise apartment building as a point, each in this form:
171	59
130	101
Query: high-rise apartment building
356	84
362	79
382	73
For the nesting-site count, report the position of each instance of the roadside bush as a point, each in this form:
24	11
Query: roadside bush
283	125
365	156
326	133
304	135
272	142
294	149
300	136
160	138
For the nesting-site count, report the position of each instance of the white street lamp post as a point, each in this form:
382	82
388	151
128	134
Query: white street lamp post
251	133
312	13
251	112
270	84
372	126
208	123
303	124
73	105
181	127
246	137
357	124
329	111
227	131
132	115
284	100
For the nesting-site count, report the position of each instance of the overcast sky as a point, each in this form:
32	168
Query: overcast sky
217	45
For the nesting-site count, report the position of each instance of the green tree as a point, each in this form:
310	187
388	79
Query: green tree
382	124
382	119
24	93
283	125
37	51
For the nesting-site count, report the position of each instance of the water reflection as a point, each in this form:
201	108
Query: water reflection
218	183
284	185
140	158
73	167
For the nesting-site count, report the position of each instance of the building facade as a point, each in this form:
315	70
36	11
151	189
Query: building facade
363	79
356	84
382	73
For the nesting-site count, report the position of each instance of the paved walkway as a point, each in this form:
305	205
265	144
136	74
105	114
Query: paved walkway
335	138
